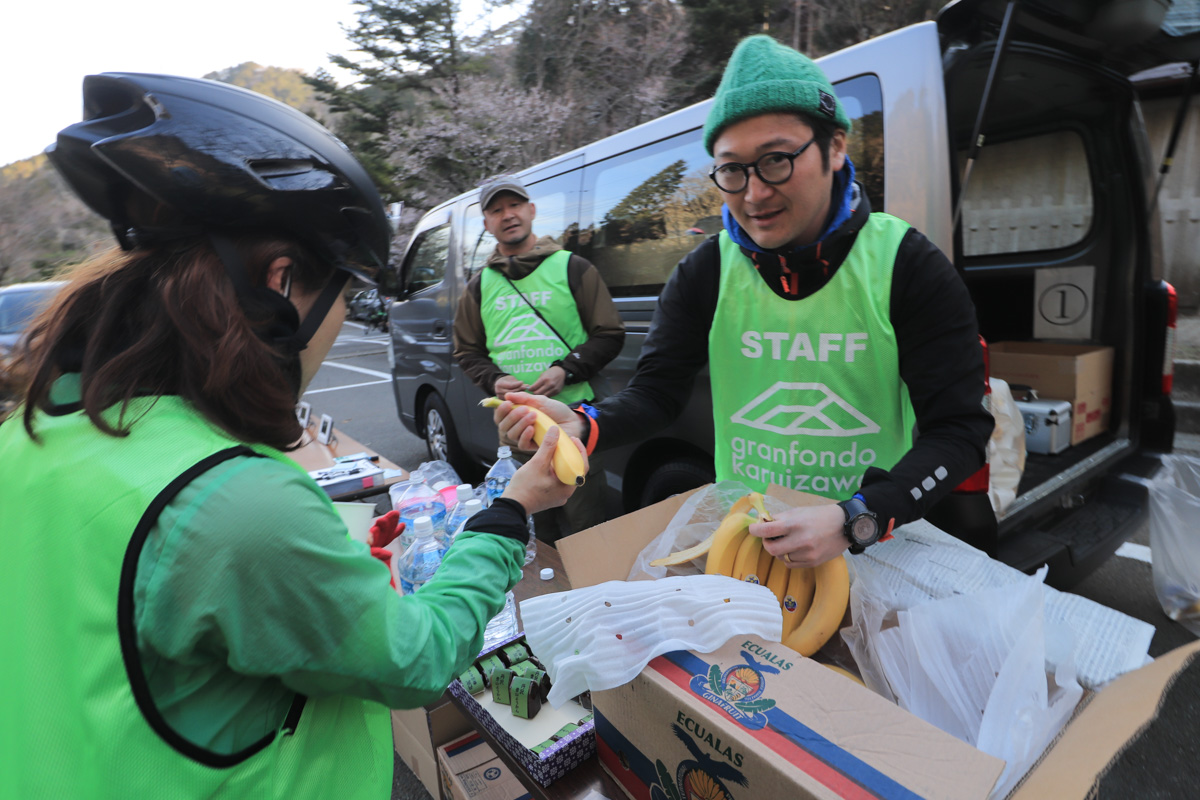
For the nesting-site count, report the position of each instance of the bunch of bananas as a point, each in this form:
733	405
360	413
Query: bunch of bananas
568	462
813	599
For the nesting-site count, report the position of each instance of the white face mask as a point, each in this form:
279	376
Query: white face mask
602	636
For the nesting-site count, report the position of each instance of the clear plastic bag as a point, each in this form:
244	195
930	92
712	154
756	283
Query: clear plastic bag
695	520
1005	448
1175	540
974	664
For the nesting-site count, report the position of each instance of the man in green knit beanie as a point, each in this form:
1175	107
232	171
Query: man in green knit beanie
841	344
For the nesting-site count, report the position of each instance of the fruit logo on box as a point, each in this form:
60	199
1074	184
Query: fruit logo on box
699	778
737	691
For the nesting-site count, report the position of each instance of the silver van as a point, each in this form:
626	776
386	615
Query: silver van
1063	181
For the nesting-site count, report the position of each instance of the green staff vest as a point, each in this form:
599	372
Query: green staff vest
520	343
807	393
76	718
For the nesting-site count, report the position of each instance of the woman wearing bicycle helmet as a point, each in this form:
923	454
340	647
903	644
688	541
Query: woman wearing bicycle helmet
207	628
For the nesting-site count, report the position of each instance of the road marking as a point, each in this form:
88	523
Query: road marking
1136	551
350	386
372	372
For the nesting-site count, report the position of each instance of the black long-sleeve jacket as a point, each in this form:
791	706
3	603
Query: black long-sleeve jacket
937	337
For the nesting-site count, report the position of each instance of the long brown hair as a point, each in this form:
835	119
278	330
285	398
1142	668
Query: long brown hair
165	320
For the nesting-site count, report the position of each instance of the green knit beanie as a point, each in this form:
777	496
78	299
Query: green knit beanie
764	76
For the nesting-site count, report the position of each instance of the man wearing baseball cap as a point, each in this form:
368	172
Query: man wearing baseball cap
842	345
539	319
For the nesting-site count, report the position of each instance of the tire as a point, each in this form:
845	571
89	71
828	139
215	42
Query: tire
680	474
441	437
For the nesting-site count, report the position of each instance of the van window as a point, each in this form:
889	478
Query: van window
1028	194
426	264
649	208
557	204
862	101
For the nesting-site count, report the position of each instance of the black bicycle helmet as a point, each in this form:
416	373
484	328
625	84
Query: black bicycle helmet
162	156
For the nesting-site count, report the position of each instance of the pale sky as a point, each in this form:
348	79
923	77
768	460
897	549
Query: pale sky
46	48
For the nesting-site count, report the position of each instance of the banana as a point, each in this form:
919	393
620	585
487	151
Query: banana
777	578
798	598
568	462
765	559
740	506
845	672
726	541
745	565
831	596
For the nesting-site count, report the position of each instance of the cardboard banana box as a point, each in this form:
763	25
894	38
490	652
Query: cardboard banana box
755	719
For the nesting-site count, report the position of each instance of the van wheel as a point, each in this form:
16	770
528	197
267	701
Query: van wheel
678	475
440	436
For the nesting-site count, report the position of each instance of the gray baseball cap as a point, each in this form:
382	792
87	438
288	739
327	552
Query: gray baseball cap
504	183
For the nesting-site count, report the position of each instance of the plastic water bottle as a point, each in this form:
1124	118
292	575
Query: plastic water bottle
503	626
501	473
417	499
458	520
497	481
422	558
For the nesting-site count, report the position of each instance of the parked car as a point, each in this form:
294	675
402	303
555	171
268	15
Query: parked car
19	304
1063	180
359	305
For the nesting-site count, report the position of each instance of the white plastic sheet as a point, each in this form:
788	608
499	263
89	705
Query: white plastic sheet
602	636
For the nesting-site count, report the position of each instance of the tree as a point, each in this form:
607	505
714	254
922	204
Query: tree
714	29
410	45
841	23
461	137
611	60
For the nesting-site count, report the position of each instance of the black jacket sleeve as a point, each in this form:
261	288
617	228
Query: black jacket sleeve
676	349
941	363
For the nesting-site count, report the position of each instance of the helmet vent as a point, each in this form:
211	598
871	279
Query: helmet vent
293	174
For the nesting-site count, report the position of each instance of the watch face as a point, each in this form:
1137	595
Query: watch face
864	529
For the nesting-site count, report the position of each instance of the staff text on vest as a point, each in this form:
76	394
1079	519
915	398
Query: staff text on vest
800	345
514	300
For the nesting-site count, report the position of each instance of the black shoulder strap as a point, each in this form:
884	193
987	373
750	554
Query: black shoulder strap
534	310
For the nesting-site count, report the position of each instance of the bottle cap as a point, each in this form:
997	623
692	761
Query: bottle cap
423	526
504	452
464	492
547	573
473	505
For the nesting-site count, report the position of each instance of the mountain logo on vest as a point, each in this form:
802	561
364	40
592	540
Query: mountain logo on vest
808	408
525	328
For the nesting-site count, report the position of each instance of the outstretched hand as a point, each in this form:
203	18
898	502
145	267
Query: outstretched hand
514	418
536	485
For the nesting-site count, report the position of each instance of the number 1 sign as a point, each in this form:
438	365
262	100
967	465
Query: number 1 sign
1063	301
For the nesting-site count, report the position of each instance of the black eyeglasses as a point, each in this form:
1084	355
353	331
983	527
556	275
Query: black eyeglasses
773	168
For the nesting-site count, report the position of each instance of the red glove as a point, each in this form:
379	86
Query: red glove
383	531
